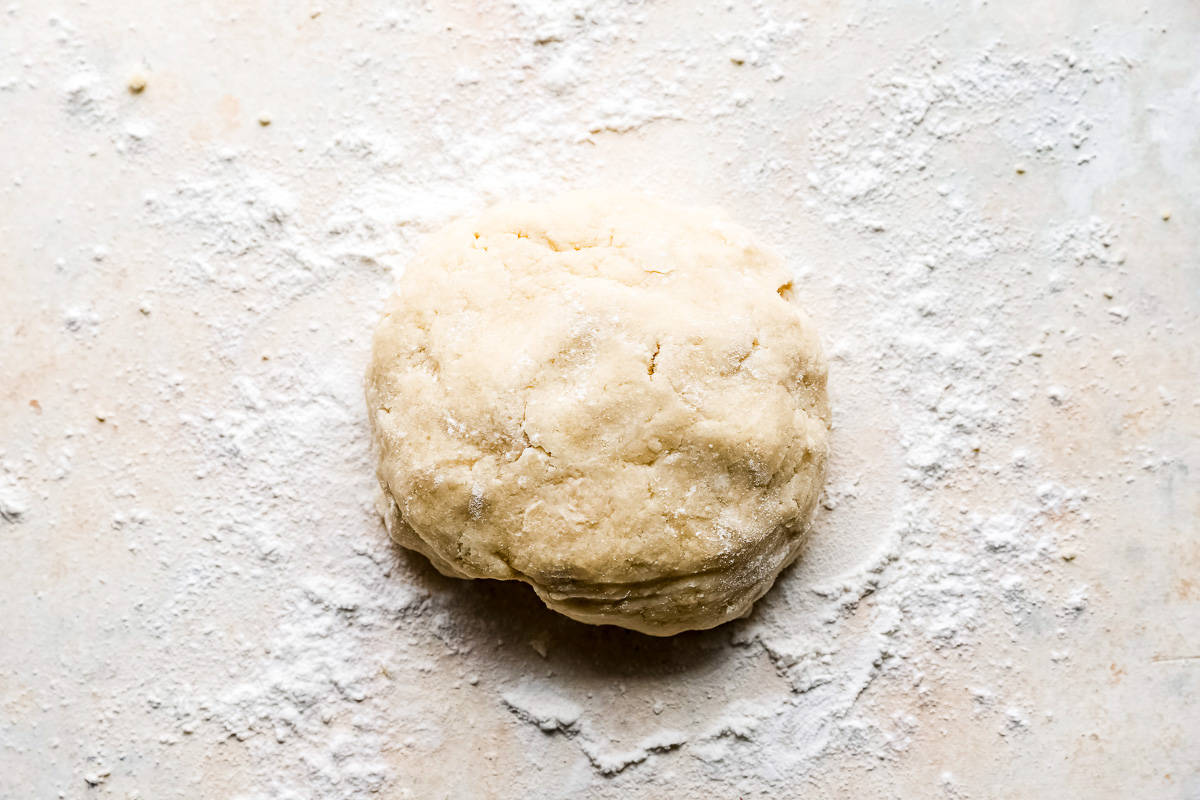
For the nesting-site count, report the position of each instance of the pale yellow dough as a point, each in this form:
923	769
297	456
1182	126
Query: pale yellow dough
615	400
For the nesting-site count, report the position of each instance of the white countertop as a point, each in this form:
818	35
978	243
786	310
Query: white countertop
990	209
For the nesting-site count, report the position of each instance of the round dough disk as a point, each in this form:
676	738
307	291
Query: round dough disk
612	399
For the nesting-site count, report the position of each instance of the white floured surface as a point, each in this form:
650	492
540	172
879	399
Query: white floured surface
991	214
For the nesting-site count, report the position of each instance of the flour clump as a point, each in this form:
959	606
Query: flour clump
615	400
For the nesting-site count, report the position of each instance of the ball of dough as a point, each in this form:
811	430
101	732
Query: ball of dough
612	399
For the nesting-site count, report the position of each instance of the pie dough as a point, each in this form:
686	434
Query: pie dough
613	399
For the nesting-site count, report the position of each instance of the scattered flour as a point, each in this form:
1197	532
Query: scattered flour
279	638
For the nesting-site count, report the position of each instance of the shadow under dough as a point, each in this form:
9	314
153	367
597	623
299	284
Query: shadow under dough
509	615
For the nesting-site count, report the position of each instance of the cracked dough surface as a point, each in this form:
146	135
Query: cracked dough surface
615	400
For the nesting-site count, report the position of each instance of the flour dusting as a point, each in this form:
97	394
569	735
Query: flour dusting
206	603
